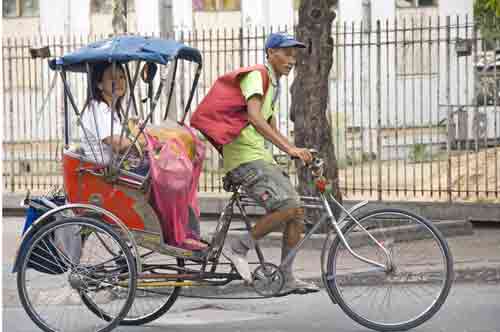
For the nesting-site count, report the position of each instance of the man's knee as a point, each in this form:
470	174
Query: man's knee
290	204
294	213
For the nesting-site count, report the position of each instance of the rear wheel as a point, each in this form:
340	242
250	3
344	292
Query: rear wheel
58	268
419	283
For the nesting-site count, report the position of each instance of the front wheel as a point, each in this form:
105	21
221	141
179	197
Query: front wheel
407	295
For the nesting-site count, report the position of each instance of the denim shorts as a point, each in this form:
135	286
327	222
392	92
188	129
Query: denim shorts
267	185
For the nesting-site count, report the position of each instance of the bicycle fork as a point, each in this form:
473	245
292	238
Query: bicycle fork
389	266
329	216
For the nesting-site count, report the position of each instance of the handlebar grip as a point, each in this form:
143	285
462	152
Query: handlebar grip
312	151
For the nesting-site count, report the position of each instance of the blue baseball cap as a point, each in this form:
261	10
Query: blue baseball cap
282	40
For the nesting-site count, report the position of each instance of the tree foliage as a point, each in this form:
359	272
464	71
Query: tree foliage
487	16
494	5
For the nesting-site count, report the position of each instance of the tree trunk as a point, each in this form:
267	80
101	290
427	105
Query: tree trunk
310	91
119	17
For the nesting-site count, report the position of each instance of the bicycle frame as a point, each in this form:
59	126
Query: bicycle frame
328	218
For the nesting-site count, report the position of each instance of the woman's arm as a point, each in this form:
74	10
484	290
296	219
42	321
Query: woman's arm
116	144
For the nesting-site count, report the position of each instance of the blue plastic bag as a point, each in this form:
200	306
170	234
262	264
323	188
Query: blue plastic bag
44	257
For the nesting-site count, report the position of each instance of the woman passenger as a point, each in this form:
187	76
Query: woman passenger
97	121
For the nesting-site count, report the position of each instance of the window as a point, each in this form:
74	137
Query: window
17	8
416	3
214	5
106	6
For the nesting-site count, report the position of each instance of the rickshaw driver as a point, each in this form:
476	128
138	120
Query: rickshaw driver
100	108
250	163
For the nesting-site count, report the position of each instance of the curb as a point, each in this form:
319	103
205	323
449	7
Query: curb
212	203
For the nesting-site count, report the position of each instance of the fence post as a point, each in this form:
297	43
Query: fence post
182	81
379	113
11	122
448	106
240	37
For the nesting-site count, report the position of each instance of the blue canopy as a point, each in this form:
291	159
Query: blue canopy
126	48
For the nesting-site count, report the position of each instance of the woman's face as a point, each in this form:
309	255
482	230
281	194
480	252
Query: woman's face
106	86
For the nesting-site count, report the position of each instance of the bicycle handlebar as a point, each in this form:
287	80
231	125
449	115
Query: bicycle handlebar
316	164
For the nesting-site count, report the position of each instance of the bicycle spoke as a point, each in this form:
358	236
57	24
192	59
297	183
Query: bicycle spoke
56	259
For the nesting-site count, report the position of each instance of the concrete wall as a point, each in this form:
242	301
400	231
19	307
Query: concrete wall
20	27
278	13
163	15
101	24
57	17
216	20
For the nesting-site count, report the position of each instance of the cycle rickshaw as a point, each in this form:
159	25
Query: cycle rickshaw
98	251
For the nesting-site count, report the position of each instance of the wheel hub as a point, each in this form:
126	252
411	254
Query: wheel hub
76	280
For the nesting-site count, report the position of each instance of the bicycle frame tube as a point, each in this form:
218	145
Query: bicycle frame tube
294	250
248	225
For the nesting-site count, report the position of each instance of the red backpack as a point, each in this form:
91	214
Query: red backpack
221	115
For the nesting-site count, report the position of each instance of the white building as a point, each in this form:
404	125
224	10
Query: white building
31	17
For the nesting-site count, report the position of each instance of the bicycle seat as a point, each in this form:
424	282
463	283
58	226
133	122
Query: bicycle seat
230	184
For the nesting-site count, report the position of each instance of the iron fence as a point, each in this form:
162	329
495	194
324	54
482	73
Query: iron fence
413	107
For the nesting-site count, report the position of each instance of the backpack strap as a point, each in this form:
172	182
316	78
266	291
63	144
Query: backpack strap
263	73
265	80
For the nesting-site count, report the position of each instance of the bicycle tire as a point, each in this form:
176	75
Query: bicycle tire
388	220
86	272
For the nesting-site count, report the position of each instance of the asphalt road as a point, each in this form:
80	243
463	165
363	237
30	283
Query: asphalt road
469	308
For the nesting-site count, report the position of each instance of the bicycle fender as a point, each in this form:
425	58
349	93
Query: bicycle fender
65	210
